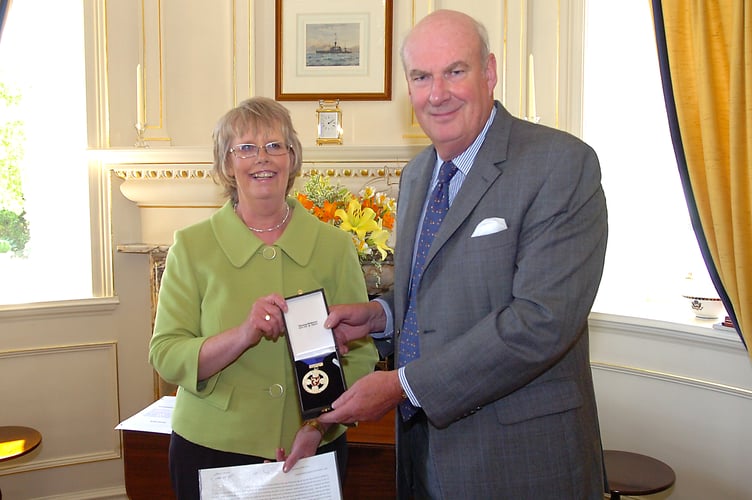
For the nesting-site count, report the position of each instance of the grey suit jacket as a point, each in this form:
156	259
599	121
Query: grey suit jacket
504	375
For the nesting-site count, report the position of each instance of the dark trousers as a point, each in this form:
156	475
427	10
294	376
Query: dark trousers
187	458
417	478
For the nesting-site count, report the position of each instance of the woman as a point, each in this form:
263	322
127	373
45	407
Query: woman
221	300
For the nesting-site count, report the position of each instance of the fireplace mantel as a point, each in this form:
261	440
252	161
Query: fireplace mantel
315	154
173	187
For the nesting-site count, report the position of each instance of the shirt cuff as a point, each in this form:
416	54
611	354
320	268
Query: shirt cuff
406	387
389	329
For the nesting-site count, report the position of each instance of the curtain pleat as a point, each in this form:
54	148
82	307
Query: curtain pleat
705	53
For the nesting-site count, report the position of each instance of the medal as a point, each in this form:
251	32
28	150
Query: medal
315	380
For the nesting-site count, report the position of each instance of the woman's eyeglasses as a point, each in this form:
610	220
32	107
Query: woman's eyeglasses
242	151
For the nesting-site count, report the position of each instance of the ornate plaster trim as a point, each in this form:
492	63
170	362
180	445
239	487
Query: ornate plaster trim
182	177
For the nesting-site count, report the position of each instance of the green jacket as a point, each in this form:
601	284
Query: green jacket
215	271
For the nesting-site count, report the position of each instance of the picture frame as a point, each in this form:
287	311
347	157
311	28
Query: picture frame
333	49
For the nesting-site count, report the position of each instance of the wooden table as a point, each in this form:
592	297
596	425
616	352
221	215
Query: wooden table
371	461
145	459
370	468
16	441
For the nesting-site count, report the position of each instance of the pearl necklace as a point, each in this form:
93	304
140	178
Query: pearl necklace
257	230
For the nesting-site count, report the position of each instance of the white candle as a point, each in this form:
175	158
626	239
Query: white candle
139	96
531	113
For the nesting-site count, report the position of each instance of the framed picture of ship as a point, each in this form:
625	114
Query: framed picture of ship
333	49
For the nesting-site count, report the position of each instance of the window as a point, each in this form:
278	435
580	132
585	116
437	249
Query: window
652	248
42	64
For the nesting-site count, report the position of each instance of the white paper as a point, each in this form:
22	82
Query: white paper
154	418
313	478
305	326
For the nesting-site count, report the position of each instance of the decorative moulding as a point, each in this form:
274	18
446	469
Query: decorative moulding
316	154
174	187
182	177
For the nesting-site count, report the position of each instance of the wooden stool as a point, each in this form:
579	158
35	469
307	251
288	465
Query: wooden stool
634	474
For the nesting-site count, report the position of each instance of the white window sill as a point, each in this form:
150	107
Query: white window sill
673	318
80	307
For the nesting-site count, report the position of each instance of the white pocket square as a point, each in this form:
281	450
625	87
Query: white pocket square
489	226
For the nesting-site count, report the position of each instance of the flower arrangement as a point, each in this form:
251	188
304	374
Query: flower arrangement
368	216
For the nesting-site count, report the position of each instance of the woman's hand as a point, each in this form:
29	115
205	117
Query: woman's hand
264	321
304	445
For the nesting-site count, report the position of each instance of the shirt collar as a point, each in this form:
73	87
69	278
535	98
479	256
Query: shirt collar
465	160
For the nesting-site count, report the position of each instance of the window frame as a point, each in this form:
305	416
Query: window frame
99	185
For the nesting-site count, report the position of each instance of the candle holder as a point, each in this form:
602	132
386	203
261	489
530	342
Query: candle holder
140	129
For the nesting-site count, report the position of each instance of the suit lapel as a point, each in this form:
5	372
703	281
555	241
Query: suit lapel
412	195
486	168
414	185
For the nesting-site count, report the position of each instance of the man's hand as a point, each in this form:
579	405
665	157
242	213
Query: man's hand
369	399
354	321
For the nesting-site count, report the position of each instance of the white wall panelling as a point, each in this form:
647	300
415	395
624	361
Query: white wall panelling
682	395
47	379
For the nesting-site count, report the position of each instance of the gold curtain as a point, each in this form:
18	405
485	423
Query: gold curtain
4	9
709	51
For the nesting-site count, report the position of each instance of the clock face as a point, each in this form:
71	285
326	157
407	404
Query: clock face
329	125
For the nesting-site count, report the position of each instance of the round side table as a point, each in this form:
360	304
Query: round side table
16	441
634	474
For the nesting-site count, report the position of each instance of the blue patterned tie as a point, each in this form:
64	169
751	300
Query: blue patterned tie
435	212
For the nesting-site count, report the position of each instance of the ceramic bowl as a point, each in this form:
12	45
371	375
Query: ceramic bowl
705	307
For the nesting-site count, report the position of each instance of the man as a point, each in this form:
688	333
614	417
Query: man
499	303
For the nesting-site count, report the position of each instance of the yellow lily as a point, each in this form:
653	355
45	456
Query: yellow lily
379	238
360	221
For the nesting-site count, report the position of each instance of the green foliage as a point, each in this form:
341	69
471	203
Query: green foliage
11	152
318	189
14	228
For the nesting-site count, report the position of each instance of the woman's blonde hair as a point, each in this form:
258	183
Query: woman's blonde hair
257	114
